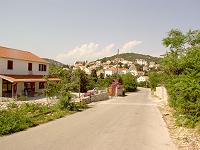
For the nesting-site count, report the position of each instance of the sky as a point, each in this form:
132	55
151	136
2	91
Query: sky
70	30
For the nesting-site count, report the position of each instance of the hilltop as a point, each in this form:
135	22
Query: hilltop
54	62
132	57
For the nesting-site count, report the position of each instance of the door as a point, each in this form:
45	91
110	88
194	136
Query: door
32	88
29	88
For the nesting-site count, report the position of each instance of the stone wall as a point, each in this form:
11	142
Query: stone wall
95	98
161	92
6	101
44	101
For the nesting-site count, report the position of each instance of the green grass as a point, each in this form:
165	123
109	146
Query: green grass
18	118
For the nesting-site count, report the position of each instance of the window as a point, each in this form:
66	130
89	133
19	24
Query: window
45	67
6	89
42	67
10	65
29	66
41	85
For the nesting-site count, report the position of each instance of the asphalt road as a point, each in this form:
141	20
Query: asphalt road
126	123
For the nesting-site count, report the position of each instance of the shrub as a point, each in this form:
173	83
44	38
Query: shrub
13	121
22	98
185	99
64	101
17	118
155	79
144	84
129	82
181	67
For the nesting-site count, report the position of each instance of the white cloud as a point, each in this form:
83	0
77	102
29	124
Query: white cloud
93	51
129	46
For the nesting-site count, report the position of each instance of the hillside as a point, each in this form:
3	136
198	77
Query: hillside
132	57
54	62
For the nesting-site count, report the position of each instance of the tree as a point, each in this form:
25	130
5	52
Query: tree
120	65
60	87
102	75
139	67
154	79
94	75
81	80
129	82
126	66
181	67
179	45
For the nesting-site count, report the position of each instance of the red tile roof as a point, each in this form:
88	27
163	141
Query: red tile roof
115	69
27	78
19	54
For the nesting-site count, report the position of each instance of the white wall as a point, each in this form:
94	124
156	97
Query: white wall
161	92
123	71
141	79
20	88
20	67
108	73
1	82
134	72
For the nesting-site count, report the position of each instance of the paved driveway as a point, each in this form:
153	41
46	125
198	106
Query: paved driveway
126	123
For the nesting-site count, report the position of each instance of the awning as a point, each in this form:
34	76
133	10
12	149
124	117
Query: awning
27	78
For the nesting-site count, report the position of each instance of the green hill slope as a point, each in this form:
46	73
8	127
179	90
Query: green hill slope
132	57
54	62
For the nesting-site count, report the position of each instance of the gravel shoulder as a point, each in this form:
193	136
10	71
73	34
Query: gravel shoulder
184	138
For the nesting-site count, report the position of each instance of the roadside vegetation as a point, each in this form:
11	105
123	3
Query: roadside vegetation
180	74
20	117
144	84
129	82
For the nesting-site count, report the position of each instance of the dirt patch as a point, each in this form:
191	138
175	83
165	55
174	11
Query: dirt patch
184	138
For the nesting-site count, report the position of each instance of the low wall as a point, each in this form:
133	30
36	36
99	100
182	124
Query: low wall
44	101
161	92
95	98
5	101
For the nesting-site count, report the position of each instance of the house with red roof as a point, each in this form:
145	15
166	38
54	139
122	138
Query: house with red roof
22	73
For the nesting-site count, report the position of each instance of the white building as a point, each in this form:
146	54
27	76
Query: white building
21	72
141	62
145	68
152	64
111	71
87	71
142	79
133	70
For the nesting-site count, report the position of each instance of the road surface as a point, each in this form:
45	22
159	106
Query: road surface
125	123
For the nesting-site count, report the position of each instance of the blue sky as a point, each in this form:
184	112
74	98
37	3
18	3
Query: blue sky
69	30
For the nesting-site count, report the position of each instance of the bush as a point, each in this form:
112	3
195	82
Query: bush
181	67
129	82
185	99
64	101
17	118
155	79
13	121
144	84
